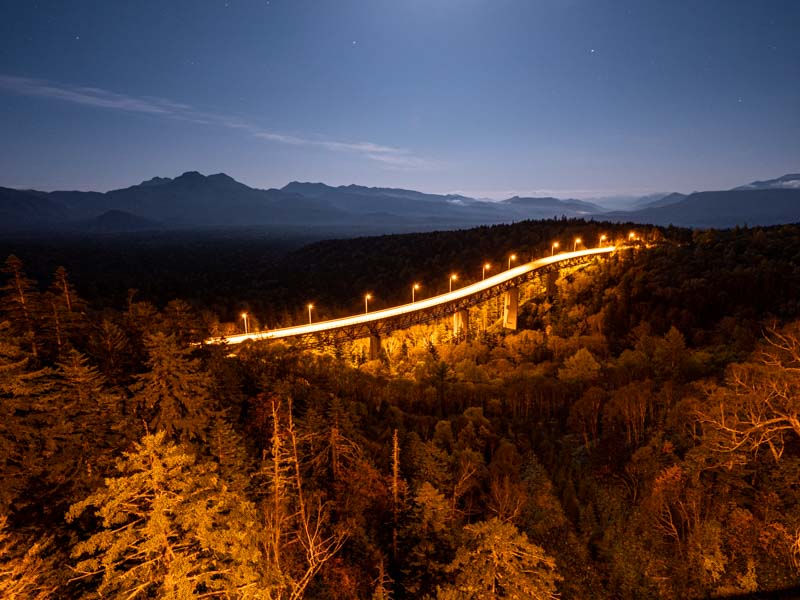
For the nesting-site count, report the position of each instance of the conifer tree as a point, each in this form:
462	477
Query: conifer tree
24	418
226	448
26	568
112	347
499	562
22	304
429	539
181	320
173	395
65	313
169	528
88	423
55	427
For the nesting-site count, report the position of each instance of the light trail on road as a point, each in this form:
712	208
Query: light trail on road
419	305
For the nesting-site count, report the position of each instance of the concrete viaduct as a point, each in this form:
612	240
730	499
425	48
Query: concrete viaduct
373	325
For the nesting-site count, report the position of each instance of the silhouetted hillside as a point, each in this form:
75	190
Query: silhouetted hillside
722	209
193	200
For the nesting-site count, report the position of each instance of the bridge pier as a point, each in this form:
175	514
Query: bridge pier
374	346
550	285
460	323
510	308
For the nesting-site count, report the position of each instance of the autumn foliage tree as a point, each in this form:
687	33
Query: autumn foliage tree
760	405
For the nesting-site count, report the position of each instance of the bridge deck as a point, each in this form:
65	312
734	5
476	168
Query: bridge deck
427	309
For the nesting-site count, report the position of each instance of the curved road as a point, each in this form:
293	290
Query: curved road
419	305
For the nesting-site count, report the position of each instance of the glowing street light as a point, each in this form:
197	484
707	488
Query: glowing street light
511	258
553	248
310	307
575	245
244	316
453	278
632	236
603	238
414	289
367	298
486	267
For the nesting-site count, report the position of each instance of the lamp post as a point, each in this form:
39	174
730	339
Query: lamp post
511	258
553	248
486	267
310	306
603	238
632	236
575	244
453	277
367	298
414	289
244	316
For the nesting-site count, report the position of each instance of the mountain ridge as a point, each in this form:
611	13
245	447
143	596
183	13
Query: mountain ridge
193	200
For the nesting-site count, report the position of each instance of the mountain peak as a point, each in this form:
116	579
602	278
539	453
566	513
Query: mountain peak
191	176
222	177
155	181
307	188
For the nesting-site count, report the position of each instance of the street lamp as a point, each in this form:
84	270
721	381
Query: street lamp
453	277
310	306
414	289
553	248
632	236
603	238
486	267
367	298
244	316
511	258
575	245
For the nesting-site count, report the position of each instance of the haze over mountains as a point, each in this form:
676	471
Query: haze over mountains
193	200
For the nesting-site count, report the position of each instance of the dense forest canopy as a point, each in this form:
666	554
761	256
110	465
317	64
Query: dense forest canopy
637	436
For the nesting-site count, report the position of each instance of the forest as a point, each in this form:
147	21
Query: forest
638	435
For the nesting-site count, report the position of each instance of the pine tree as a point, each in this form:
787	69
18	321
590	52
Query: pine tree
24	417
88	422
65	313
55	428
170	529
26	568
430	541
174	394
181	320
112	347
226	448
499	562
22	304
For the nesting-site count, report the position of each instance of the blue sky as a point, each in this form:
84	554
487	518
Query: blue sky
485	97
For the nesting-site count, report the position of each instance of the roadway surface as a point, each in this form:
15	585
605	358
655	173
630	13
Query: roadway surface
377	316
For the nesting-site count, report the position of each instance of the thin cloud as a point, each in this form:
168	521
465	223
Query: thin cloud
84	95
388	156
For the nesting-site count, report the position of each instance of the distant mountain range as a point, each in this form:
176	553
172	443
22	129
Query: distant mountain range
193	200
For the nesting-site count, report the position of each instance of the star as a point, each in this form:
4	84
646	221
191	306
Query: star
354	42
591	51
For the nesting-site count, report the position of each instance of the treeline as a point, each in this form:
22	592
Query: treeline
273	277
637	437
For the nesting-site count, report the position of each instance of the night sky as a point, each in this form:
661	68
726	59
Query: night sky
489	98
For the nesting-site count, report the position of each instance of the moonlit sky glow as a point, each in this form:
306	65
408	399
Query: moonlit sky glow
490	98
